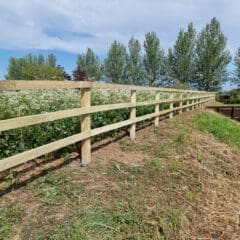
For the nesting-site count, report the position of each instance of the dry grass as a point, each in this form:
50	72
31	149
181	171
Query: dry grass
172	182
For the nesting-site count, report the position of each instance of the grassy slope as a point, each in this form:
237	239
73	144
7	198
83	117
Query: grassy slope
174	182
221	127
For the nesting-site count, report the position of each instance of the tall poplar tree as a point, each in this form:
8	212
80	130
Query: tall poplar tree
212	58
181	57
236	78
134	62
153	58
115	63
89	63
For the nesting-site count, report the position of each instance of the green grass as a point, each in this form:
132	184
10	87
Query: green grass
106	225
9	215
221	127
125	213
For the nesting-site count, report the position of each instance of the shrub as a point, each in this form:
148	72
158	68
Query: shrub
16	104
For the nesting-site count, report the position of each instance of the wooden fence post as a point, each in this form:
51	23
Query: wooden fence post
187	103
86	126
157	97
199	100
194	102
181	103
203	104
202	99
171	106
133	115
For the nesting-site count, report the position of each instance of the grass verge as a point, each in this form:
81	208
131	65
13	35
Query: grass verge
223	128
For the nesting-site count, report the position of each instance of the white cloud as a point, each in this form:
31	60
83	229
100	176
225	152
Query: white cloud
75	25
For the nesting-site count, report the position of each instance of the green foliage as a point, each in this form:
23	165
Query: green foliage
115	63
223	128
134	63
153	58
236	78
230	97
34	68
181	57
234	97
51	61
16	104
211	58
90	64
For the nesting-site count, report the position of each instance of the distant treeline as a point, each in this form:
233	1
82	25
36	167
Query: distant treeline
229	97
197	60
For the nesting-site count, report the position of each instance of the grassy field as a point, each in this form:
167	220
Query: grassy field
176	181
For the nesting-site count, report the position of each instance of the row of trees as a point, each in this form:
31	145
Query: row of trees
195	61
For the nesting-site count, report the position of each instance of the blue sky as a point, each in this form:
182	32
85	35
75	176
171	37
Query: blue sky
67	27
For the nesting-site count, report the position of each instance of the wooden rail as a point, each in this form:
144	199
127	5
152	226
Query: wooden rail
231	111
197	98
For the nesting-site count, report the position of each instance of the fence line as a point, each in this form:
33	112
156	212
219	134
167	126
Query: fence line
232	111
197	98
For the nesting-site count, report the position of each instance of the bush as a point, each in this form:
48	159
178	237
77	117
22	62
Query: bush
16	104
230	97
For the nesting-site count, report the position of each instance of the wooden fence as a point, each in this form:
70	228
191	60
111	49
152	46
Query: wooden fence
231	111
186	100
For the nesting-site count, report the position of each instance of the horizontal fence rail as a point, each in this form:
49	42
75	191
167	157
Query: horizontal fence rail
197	98
13	85
231	111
